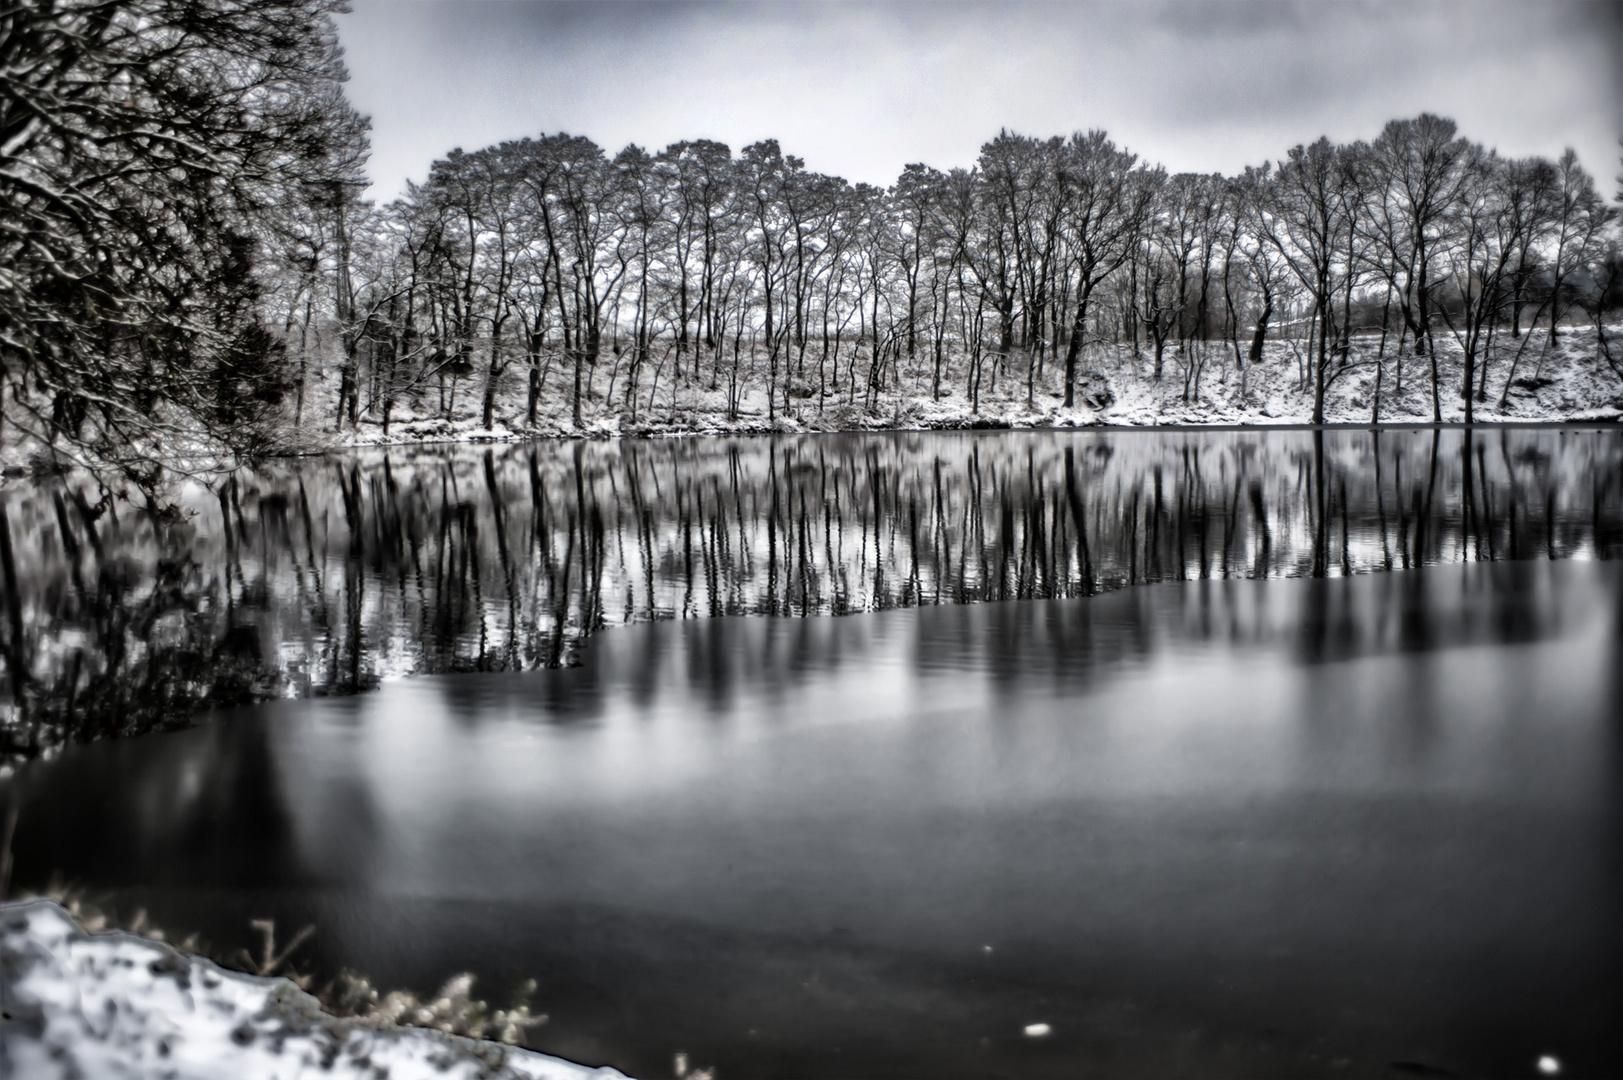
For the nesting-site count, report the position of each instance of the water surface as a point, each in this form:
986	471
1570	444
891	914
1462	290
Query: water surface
328	575
1269	816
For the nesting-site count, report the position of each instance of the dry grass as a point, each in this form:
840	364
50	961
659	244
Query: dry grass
453	1010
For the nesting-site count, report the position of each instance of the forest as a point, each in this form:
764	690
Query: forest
193	274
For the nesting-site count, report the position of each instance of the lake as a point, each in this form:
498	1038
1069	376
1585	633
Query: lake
1218	753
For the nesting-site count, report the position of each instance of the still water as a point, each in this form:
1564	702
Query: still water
1263	813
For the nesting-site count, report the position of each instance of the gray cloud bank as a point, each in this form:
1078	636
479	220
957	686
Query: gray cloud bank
859	90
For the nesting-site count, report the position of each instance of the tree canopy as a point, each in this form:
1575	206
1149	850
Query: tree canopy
153	153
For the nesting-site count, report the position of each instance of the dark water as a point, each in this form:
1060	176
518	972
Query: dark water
1342	824
326	575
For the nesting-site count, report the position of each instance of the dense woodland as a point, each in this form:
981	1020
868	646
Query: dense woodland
186	251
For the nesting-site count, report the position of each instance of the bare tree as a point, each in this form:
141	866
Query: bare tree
1108	203
147	149
1301	219
1578	232
1418	169
1495	210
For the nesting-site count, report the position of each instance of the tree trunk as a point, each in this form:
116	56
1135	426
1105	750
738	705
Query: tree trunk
535	391
492	373
1260	334
1074	348
1323	364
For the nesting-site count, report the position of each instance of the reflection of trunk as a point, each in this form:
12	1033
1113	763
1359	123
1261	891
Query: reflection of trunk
1320	508
70	542
1470	521
16	662
1073	497
1422	534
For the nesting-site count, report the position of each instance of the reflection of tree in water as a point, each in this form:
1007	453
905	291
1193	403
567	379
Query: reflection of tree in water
710	666
322	576
208	811
1312	621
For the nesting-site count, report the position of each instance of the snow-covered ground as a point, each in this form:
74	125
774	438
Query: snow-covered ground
81	1006
1570	381
1528	381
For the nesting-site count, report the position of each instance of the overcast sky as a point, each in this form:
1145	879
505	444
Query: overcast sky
860	89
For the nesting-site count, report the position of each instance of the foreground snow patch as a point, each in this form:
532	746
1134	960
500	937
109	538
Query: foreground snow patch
74	1004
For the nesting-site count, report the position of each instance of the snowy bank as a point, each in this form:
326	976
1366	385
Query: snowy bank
76	1004
1527	380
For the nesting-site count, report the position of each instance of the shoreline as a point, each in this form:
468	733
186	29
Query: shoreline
1581	423
79	1002
1599	423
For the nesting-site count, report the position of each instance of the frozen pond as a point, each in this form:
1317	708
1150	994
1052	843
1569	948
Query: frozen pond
1265	813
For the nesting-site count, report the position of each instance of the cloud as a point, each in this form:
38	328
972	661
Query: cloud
861	89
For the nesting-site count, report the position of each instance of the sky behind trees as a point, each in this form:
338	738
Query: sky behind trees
859	90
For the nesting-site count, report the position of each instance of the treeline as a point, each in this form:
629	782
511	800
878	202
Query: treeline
185	250
698	265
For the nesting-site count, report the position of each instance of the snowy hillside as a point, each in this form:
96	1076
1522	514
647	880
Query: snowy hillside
1527	381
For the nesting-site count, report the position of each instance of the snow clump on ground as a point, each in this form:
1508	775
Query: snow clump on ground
116	1004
